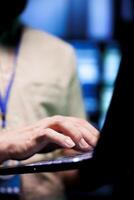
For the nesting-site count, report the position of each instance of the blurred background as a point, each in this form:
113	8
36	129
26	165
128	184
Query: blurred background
93	28
89	25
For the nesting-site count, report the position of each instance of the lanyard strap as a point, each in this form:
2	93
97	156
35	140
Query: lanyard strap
4	100
12	184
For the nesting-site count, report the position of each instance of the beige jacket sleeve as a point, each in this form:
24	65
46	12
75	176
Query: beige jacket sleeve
75	105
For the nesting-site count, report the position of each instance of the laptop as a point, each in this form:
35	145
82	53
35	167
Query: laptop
52	165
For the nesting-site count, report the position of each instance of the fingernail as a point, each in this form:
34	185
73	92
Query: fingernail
69	142
83	143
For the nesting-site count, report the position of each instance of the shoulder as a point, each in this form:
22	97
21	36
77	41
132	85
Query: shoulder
43	40
52	55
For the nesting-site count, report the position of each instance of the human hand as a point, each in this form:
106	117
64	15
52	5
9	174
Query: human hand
67	132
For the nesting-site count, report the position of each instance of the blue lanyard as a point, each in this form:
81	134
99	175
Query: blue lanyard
12	184
4	100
